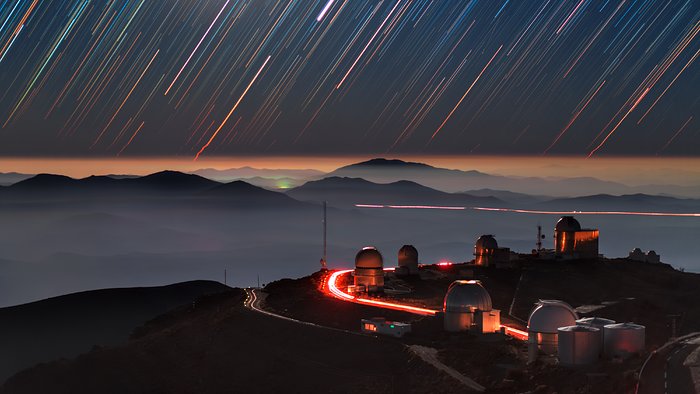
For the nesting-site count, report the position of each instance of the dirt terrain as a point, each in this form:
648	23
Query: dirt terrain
219	346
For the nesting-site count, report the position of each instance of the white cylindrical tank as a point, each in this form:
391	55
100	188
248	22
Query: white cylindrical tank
545	319
597	322
578	345
623	339
463	298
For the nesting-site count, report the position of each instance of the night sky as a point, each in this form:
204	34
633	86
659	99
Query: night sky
265	77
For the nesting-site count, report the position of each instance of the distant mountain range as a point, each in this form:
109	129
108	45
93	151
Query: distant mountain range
378	181
386	171
629	202
171	185
250	172
8	178
349	191
380	170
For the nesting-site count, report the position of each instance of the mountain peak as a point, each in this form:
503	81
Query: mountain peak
174	179
44	180
389	163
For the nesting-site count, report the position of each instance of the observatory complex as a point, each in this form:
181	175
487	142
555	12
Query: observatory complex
553	331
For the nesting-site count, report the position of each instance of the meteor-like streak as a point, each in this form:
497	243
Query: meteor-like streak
530	211
465	94
332	286
324	11
573	119
367	46
675	135
196	47
632	108
221	126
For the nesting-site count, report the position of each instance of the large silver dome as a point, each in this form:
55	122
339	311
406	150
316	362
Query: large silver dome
466	296
549	315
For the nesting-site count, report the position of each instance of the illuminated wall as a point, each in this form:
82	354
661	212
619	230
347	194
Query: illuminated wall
582	244
371	278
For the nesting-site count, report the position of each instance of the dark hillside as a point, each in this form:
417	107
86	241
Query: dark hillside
68	325
219	346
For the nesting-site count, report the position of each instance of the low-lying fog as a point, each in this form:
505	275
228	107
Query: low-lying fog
53	248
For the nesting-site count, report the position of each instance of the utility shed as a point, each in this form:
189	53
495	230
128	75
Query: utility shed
379	325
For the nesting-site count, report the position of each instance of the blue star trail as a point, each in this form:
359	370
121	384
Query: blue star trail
226	77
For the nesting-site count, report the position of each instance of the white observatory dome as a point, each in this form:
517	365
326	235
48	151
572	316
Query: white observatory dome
462	300
544	322
549	315
466	296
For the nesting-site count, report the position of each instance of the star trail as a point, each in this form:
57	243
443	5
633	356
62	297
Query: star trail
225	77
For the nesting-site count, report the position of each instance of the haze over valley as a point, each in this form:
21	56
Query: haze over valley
69	235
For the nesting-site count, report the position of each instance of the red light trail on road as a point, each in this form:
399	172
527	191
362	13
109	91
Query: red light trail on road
530	211
335	291
331	285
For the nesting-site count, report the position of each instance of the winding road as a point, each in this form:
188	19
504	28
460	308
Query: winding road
672	369
428	355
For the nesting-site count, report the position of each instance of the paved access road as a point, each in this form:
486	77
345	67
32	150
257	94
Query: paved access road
673	369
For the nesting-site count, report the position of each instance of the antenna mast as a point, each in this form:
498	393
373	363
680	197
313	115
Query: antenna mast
325	245
539	237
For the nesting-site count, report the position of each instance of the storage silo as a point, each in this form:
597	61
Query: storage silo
623	339
463	299
408	257
369	269
597	322
542	326
578	345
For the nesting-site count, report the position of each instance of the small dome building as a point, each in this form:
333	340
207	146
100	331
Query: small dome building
570	241
467	306
487	252
369	270
543	325
485	249
408	258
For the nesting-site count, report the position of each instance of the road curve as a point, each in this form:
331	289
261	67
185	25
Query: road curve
669	370
428	355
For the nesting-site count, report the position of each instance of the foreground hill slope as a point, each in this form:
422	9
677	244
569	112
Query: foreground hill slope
68	325
216	345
